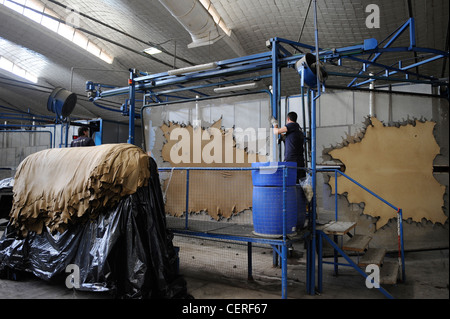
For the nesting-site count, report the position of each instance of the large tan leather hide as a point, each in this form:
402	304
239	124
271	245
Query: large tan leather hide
58	187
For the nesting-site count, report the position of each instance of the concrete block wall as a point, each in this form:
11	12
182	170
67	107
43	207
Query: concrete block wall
16	146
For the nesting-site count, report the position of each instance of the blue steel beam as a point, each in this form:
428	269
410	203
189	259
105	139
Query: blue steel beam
397	34
131	126
265	61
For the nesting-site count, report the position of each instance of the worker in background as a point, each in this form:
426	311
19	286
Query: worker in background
293	142
83	138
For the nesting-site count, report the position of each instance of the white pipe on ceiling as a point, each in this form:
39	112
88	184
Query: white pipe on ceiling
195	19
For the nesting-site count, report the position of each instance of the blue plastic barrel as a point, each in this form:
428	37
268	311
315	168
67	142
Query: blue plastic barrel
273	176
268	210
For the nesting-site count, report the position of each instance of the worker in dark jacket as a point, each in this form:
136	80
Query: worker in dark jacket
83	138
293	142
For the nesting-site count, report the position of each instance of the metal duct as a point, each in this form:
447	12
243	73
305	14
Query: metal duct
195	19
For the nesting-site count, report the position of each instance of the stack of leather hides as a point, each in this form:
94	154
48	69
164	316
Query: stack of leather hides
57	187
122	246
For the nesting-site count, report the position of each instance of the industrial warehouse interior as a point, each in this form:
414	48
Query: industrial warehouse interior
224	150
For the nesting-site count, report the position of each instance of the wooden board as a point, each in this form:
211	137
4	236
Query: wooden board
372	256
357	243
337	228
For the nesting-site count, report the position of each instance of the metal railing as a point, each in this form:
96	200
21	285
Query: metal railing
401	252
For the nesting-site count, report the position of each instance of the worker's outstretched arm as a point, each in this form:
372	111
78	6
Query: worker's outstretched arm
277	130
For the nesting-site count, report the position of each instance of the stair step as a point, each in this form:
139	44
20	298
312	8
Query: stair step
357	243
372	256
337	228
389	273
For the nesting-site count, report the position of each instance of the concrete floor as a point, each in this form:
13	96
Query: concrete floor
427	277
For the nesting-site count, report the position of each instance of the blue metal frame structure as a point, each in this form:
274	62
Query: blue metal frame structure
322	236
160	87
279	246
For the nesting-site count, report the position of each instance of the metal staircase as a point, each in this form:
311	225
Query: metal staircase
359	245
355	249
355	245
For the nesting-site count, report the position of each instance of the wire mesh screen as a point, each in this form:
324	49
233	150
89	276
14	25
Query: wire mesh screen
223	259
220	219
214	196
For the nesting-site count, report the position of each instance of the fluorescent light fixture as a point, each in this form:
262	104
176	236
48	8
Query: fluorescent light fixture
195	68
240	87
152	50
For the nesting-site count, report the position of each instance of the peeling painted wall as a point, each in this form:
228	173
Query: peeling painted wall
342	117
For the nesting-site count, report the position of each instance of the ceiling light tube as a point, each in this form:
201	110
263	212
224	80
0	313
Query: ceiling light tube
152	50
195	68
240	87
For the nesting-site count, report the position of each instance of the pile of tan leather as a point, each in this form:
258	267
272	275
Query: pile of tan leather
58	187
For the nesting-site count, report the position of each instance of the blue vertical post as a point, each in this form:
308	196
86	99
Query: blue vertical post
313	153
335	196
412	33
305	151
274	256
319	262
284	247
132	108
335	218
402	251
67	133
275	90
186	226
313	204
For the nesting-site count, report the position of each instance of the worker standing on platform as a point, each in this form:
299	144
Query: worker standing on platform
83	138
293	142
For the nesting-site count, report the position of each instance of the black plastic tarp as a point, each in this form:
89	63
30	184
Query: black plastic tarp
126	250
